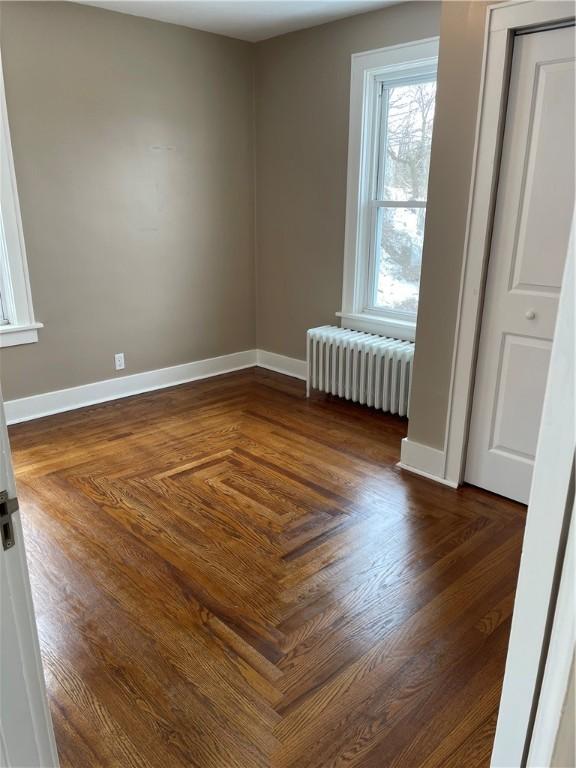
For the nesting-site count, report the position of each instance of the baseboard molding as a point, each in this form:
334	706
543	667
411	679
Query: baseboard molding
415	457
424	461
48	403
290	366
28	408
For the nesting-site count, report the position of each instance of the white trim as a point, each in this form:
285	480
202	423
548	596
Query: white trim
48	403
427	475
544	541
366	69
423	460
36	406
558	666
14	278
14	335
289	366
396	329
502	19
34	722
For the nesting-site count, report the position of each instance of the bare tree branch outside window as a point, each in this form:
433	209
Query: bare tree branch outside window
404	177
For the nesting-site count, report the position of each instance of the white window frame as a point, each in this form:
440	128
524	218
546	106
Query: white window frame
17	322
368	70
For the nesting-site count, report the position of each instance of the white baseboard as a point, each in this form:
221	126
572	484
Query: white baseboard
36	406
424	461
290	366
417	458
48	403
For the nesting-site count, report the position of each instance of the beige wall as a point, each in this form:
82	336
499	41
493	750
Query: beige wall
302	110
459	70
138	248
133	150
301	148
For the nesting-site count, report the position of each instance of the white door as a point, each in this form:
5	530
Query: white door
532	221
26	735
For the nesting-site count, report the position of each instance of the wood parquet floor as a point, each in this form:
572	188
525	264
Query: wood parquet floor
229	576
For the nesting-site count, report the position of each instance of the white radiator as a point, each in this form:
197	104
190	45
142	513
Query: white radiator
368	369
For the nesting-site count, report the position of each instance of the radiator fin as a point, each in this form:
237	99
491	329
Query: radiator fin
362	367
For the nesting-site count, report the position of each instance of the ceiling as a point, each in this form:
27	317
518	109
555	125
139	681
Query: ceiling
251	20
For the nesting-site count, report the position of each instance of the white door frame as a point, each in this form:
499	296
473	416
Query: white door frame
542	634
556	678
502	21
30	728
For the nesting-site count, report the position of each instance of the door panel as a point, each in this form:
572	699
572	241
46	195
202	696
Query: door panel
534	206
544	217
522	372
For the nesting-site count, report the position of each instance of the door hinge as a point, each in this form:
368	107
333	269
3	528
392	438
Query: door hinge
7	507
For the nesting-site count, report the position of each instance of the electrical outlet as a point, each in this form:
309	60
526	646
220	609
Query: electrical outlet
119	361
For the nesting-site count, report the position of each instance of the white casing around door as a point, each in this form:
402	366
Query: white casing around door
26	734
533	215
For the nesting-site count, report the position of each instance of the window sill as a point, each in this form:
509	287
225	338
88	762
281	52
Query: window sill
14	335
396	329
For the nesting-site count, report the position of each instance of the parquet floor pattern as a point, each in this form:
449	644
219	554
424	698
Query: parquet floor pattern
229	576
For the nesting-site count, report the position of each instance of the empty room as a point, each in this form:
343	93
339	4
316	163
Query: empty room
287	406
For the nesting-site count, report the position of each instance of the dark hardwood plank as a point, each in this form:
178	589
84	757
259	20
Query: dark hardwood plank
228	575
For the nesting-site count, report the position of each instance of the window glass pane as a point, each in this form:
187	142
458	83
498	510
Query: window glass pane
400	234
408	115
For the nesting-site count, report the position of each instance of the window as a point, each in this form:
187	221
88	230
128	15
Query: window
392	112
17	323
